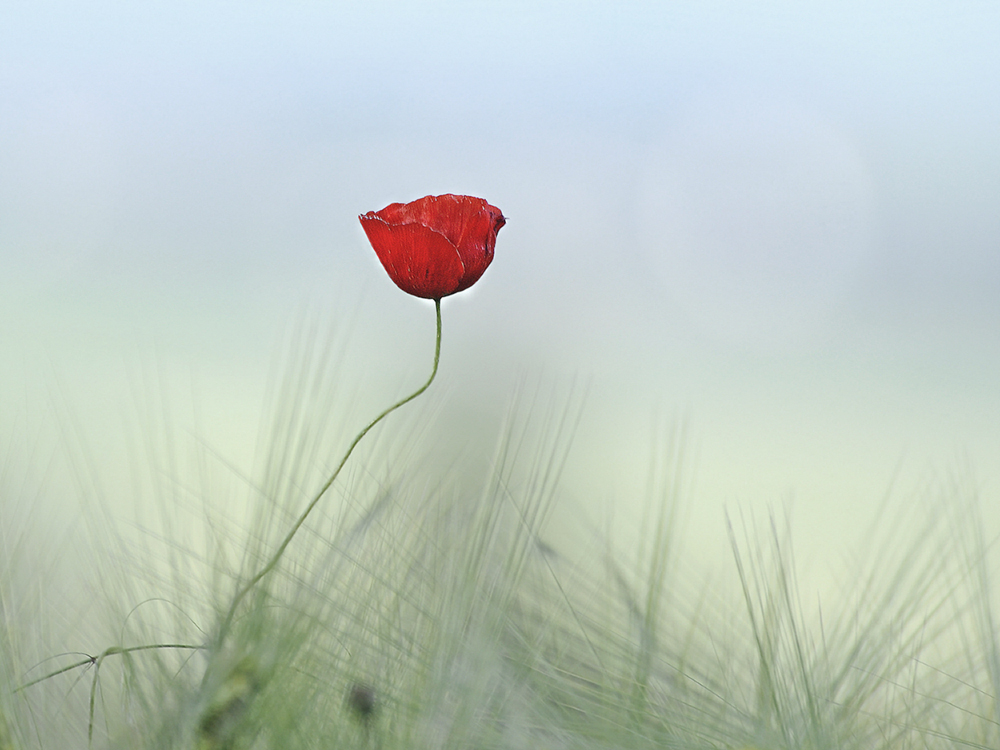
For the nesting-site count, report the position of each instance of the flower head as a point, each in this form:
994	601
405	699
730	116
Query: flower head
437	245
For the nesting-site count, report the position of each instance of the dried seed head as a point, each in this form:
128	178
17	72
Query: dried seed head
223	716
362	701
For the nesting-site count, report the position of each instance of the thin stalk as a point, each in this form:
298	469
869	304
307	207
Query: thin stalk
110	651
276	557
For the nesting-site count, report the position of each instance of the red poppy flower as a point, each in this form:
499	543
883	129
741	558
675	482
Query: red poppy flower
437	245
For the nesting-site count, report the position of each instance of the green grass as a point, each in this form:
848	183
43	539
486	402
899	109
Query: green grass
419	609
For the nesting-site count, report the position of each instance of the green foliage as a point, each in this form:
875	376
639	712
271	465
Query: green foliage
416	611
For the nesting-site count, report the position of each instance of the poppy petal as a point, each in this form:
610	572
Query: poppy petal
475	245
420	261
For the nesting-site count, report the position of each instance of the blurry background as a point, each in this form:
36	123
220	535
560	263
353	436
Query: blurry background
774	223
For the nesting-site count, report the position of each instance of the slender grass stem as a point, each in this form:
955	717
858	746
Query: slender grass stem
276	557
96	661
110	651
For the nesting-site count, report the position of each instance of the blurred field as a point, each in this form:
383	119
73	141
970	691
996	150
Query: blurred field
440	586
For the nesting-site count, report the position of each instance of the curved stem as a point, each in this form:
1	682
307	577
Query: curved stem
110	651
276	557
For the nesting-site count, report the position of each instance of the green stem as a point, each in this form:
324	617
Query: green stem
110	651
276	557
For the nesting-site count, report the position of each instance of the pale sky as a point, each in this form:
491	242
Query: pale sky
777	222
